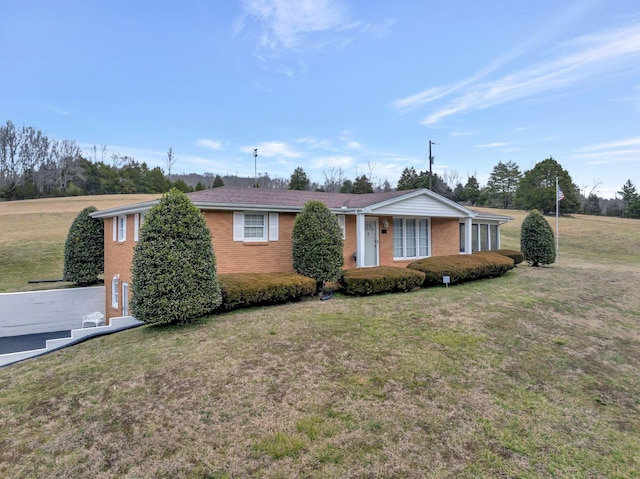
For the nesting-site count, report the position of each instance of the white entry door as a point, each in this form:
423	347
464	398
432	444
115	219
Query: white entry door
371	242
125	299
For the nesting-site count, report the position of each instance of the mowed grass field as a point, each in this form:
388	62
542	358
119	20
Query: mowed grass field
534	374
33	232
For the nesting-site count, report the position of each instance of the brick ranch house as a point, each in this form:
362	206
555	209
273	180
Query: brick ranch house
251	231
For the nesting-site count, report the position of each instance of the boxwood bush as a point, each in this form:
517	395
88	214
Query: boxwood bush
251	289
381	279
514	254
461	268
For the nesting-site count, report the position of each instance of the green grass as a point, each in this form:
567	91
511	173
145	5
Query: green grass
533	374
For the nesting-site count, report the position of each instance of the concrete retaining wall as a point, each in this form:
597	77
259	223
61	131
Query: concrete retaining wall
48	311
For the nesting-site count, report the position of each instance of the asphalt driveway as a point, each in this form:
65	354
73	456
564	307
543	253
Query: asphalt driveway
13	344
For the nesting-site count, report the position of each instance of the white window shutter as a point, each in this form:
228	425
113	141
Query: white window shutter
115	228
238	226
341	222
273	226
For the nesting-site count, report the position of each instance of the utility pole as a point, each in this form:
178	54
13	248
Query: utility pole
430	164
255	167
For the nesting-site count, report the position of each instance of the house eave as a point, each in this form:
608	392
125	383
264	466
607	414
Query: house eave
124	210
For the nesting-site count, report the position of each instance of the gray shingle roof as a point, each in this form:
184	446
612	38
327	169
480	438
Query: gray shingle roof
288	198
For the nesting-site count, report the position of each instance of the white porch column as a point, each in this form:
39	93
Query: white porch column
468	234
498	237
360	239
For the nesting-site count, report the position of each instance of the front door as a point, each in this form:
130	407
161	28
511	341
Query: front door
371	242
125	299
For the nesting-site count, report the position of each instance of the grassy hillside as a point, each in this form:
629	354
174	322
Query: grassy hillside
33	232
534	374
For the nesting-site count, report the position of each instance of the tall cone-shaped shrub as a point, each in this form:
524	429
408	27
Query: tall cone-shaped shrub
317	243
84	249
537	240
174	266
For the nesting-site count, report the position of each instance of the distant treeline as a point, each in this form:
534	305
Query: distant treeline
33	165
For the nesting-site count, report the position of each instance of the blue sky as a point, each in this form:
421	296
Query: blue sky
351	84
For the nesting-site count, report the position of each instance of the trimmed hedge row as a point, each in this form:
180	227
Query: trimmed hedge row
514	254
461	268
380	279
241	290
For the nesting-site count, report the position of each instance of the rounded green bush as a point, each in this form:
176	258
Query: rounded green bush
174	266
317	243
462	268
537	242
84	249
380	279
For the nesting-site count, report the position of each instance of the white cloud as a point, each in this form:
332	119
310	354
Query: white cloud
315	143
614	144
211	144
460	133
591	56
584	58
273	148
57	110
619	151
337	161
286	22
492	145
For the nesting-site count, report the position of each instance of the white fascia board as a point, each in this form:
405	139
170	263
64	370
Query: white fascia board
124	210
500	219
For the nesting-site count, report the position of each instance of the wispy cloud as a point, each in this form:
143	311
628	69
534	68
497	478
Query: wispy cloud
338	161
584	58
211	144
587	57
285	23
273	148
492	145
57	110
315	143
619	151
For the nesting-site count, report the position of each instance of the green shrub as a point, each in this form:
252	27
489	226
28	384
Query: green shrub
536	240
317	243
514	254
381	279
250	289
84	249
461	268
174	267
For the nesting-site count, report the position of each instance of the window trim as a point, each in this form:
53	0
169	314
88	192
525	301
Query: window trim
122	228
115	284
136	226
418	237
342	221
270	226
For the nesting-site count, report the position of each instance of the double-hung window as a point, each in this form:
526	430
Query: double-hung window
122	228
114	292
410	238
255	227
